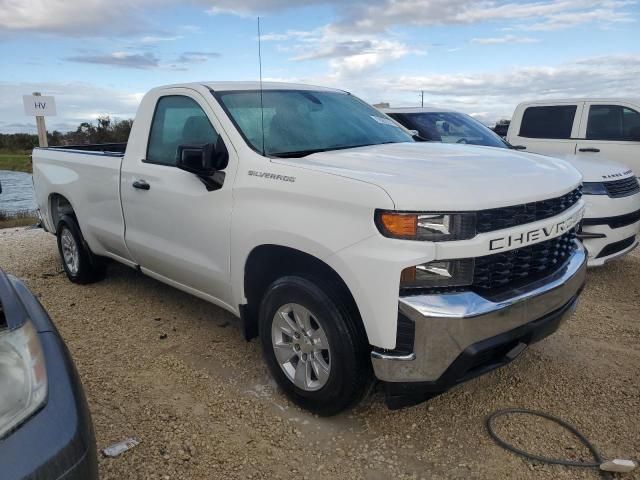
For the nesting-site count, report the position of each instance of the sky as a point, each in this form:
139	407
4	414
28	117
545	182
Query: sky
482	57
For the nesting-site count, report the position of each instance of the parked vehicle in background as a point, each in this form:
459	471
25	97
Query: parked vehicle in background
437	124
602	128
346	246
501	128
45	425
612	193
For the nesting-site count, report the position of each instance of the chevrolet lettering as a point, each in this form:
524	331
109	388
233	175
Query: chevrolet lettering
536	235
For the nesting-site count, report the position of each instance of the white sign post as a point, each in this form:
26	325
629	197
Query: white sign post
39	106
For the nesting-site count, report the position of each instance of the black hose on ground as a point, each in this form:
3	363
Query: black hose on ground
598	459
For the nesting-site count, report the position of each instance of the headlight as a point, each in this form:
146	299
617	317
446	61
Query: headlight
435	227
23	377
594	188
439	273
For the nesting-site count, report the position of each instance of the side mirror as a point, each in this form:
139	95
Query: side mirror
203	160
197	159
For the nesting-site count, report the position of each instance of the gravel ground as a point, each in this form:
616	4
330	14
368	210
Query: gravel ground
175	372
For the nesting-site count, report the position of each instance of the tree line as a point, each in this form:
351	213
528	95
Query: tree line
104	130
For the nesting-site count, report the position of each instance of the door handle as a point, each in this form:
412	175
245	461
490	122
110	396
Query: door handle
519	147
141	185
593	150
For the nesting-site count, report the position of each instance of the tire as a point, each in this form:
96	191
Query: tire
79	263
346	356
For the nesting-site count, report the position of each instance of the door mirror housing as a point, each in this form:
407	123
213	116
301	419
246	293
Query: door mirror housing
204	159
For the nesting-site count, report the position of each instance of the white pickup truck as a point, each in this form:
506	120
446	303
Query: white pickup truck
350	249
593	134
598	127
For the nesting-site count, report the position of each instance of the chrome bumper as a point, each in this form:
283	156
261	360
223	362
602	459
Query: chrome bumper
447	324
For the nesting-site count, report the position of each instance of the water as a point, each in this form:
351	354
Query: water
17	192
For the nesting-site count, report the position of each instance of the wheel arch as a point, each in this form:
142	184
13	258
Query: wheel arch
59	206
268	262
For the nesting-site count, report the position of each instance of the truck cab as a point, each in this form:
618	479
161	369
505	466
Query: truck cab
600	128
352	251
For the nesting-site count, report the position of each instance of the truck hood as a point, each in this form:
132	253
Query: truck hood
444	177
595	168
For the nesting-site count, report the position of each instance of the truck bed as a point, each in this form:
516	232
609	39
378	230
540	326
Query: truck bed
87	177
113	149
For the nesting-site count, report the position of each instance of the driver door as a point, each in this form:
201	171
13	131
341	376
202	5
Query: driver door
176	230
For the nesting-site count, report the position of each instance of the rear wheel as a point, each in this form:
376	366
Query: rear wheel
79	263
314	345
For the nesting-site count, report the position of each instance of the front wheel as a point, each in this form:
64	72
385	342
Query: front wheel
79	263
314	345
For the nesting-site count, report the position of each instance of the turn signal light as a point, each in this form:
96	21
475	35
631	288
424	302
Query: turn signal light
400	225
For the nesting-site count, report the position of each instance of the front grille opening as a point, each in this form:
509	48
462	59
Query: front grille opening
501	272
618	221
616	247
491	358
507	217
622	188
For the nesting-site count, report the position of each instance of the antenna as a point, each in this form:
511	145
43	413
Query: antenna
261	101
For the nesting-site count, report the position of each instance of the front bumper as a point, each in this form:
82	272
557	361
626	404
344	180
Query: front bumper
57	442
607	238
451	327
609	227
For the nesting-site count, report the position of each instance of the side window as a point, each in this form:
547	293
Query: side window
630	124
613	122
548	122
177	121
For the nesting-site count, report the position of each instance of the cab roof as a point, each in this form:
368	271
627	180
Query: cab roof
426	109
612	100
252	85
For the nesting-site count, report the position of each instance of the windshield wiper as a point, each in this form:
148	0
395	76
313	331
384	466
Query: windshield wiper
299	153
304	153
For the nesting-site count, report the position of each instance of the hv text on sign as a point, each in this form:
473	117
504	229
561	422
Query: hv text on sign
39	106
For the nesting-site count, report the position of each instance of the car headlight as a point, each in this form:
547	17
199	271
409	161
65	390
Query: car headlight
23	377
439	273
435	227
594	188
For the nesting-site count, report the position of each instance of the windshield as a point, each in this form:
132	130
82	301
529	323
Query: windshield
449	127
299	122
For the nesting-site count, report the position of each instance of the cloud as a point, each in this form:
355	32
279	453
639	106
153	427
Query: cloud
89	18
75	103
190	28
504	39
347	54
341	49
127	17
382	15
604	16
251	7
354	58
288	35
196	57
494	95
159	39
119	59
